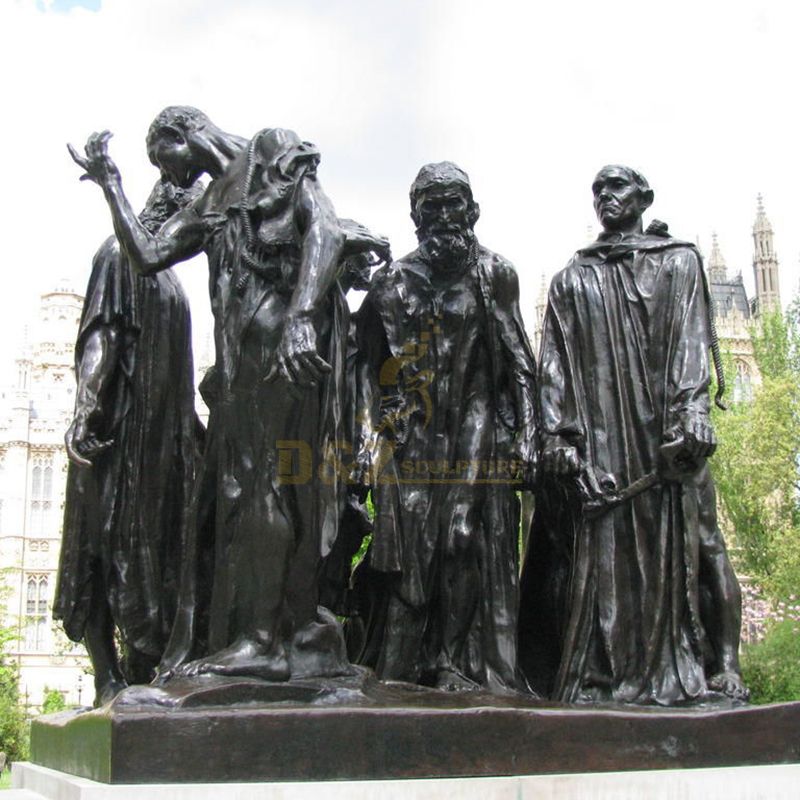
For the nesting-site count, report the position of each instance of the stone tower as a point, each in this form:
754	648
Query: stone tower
765	263
717	268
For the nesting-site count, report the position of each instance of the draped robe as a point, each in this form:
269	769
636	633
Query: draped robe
463	388
260	524
610	605
127	514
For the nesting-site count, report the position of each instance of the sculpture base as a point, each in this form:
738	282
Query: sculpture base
358	729
726	783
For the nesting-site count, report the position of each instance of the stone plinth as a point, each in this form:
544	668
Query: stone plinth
362	730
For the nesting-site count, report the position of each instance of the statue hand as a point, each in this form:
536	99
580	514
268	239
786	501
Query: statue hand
698	436
97	164
296	357
381	251
686	446
560	460
360	239
82	444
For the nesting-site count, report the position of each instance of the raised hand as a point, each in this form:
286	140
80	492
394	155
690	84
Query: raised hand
97	164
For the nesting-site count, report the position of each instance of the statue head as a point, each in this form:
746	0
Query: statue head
444	213
621	196
184	143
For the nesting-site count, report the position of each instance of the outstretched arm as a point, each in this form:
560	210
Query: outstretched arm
181	238
297	358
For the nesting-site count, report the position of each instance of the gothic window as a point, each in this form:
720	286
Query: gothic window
36	613
41	494
742	383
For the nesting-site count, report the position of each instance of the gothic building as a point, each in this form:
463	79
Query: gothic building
34	413
734	313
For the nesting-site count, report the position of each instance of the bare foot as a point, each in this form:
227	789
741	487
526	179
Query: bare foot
451	681
730	684
243	657
106	692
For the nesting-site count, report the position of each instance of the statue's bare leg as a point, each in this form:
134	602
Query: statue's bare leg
98	639
720	602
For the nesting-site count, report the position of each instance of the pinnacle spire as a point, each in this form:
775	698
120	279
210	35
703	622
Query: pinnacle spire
761	224
717	268
765	262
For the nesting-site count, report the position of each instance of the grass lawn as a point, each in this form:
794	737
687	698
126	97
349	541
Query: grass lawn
5	779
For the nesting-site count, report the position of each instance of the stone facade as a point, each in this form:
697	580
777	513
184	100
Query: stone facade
34	413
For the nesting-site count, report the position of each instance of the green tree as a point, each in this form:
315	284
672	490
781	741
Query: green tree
757	471
769	667
53	701
13	722
756	465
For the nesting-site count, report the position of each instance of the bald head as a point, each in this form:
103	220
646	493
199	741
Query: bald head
621	196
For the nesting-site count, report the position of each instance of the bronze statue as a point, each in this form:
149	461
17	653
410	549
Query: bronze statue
124	532
274	246
446	383
627	591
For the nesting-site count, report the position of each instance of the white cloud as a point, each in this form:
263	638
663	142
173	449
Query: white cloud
529	98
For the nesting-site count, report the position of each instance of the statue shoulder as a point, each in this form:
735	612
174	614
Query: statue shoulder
498	266
683	256
502	276
383	281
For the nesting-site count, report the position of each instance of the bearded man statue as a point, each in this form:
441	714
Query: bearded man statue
446	437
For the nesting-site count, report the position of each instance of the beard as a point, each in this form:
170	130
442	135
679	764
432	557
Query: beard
448	249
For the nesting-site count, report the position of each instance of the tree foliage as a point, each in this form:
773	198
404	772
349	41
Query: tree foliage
756	465
769	667
53	701
13	722
757	472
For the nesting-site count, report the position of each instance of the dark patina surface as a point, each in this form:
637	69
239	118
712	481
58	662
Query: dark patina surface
358	729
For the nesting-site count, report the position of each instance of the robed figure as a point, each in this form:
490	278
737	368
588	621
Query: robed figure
133	447
628	594
263	517
446	434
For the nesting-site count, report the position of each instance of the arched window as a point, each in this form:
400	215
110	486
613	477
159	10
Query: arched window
36	613
41	494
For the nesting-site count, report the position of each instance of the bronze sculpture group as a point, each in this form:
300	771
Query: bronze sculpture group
428	398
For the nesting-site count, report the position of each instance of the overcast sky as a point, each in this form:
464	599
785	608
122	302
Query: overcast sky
530	98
